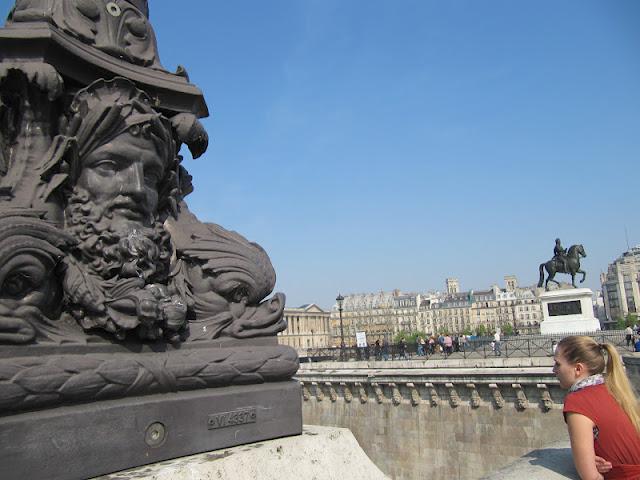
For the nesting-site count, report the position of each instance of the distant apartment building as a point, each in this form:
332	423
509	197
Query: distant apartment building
377	314
307	327
384	314
599	310
620	286
492	308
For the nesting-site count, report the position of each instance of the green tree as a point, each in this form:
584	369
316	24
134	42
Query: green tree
481	330
409	337
400	335
467	331
507	329
621	323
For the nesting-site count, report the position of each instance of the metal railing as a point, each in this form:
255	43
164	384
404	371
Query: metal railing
478	347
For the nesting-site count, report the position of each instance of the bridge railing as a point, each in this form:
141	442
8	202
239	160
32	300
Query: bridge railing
478	347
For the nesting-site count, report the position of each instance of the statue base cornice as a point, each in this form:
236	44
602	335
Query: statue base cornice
41	42
45	376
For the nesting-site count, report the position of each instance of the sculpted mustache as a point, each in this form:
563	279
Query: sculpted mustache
123	201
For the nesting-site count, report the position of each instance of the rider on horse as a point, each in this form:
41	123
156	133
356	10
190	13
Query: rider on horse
560	256
563	261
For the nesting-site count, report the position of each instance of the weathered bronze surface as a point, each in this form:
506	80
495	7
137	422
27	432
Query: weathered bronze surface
563	261
109	286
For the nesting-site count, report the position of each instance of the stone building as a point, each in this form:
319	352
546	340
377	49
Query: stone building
493	308
620	289
307	327
377	314
453	286
384	314
599	309
519	307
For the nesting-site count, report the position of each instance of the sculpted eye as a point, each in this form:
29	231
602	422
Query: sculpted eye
105	166
152	177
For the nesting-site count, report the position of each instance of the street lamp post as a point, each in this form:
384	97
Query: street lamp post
340	299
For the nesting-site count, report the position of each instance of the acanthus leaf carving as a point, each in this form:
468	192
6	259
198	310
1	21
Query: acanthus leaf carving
545	397
362	392
433	394
396	397
521	399
346	392
497	395
318	390
454	398
377	389
305	392
414	394
474	395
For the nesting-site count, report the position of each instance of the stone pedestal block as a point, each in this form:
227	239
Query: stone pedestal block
326	453
568	311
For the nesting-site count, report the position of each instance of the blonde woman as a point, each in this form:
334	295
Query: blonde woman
601	410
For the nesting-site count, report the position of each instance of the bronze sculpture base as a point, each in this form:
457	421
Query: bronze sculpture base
81	441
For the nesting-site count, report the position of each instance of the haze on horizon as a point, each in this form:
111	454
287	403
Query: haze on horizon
370	145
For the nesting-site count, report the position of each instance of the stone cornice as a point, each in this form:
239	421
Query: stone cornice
520	389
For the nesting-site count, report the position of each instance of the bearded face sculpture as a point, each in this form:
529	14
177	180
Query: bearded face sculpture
116	277
137	263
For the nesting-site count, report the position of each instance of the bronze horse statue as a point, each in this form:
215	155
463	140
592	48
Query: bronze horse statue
554	266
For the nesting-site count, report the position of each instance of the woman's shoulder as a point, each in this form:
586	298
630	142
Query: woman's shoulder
594	394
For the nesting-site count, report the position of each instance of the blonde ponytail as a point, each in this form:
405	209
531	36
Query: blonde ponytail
619	385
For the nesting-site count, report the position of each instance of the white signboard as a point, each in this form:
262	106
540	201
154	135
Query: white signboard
361	339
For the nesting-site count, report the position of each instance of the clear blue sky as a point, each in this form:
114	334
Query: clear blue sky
372	145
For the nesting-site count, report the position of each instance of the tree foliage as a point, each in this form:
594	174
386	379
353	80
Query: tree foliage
507	329
481	330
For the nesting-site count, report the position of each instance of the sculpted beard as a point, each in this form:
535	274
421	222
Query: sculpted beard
116	249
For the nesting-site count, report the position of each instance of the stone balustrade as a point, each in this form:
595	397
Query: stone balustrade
519	388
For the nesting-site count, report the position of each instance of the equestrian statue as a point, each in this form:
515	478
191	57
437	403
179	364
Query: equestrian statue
563	261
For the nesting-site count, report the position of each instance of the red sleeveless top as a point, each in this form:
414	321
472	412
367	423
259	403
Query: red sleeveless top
615	438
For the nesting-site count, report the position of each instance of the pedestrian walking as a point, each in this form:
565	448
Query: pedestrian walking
402	349
497	351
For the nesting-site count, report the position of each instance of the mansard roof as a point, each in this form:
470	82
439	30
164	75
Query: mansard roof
307	307
365	301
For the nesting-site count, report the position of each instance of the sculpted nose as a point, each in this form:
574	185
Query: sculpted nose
134	180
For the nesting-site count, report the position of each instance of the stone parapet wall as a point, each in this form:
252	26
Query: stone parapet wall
432	362
439	423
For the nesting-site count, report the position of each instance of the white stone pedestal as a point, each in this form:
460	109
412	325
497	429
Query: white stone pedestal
568	311
326	453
